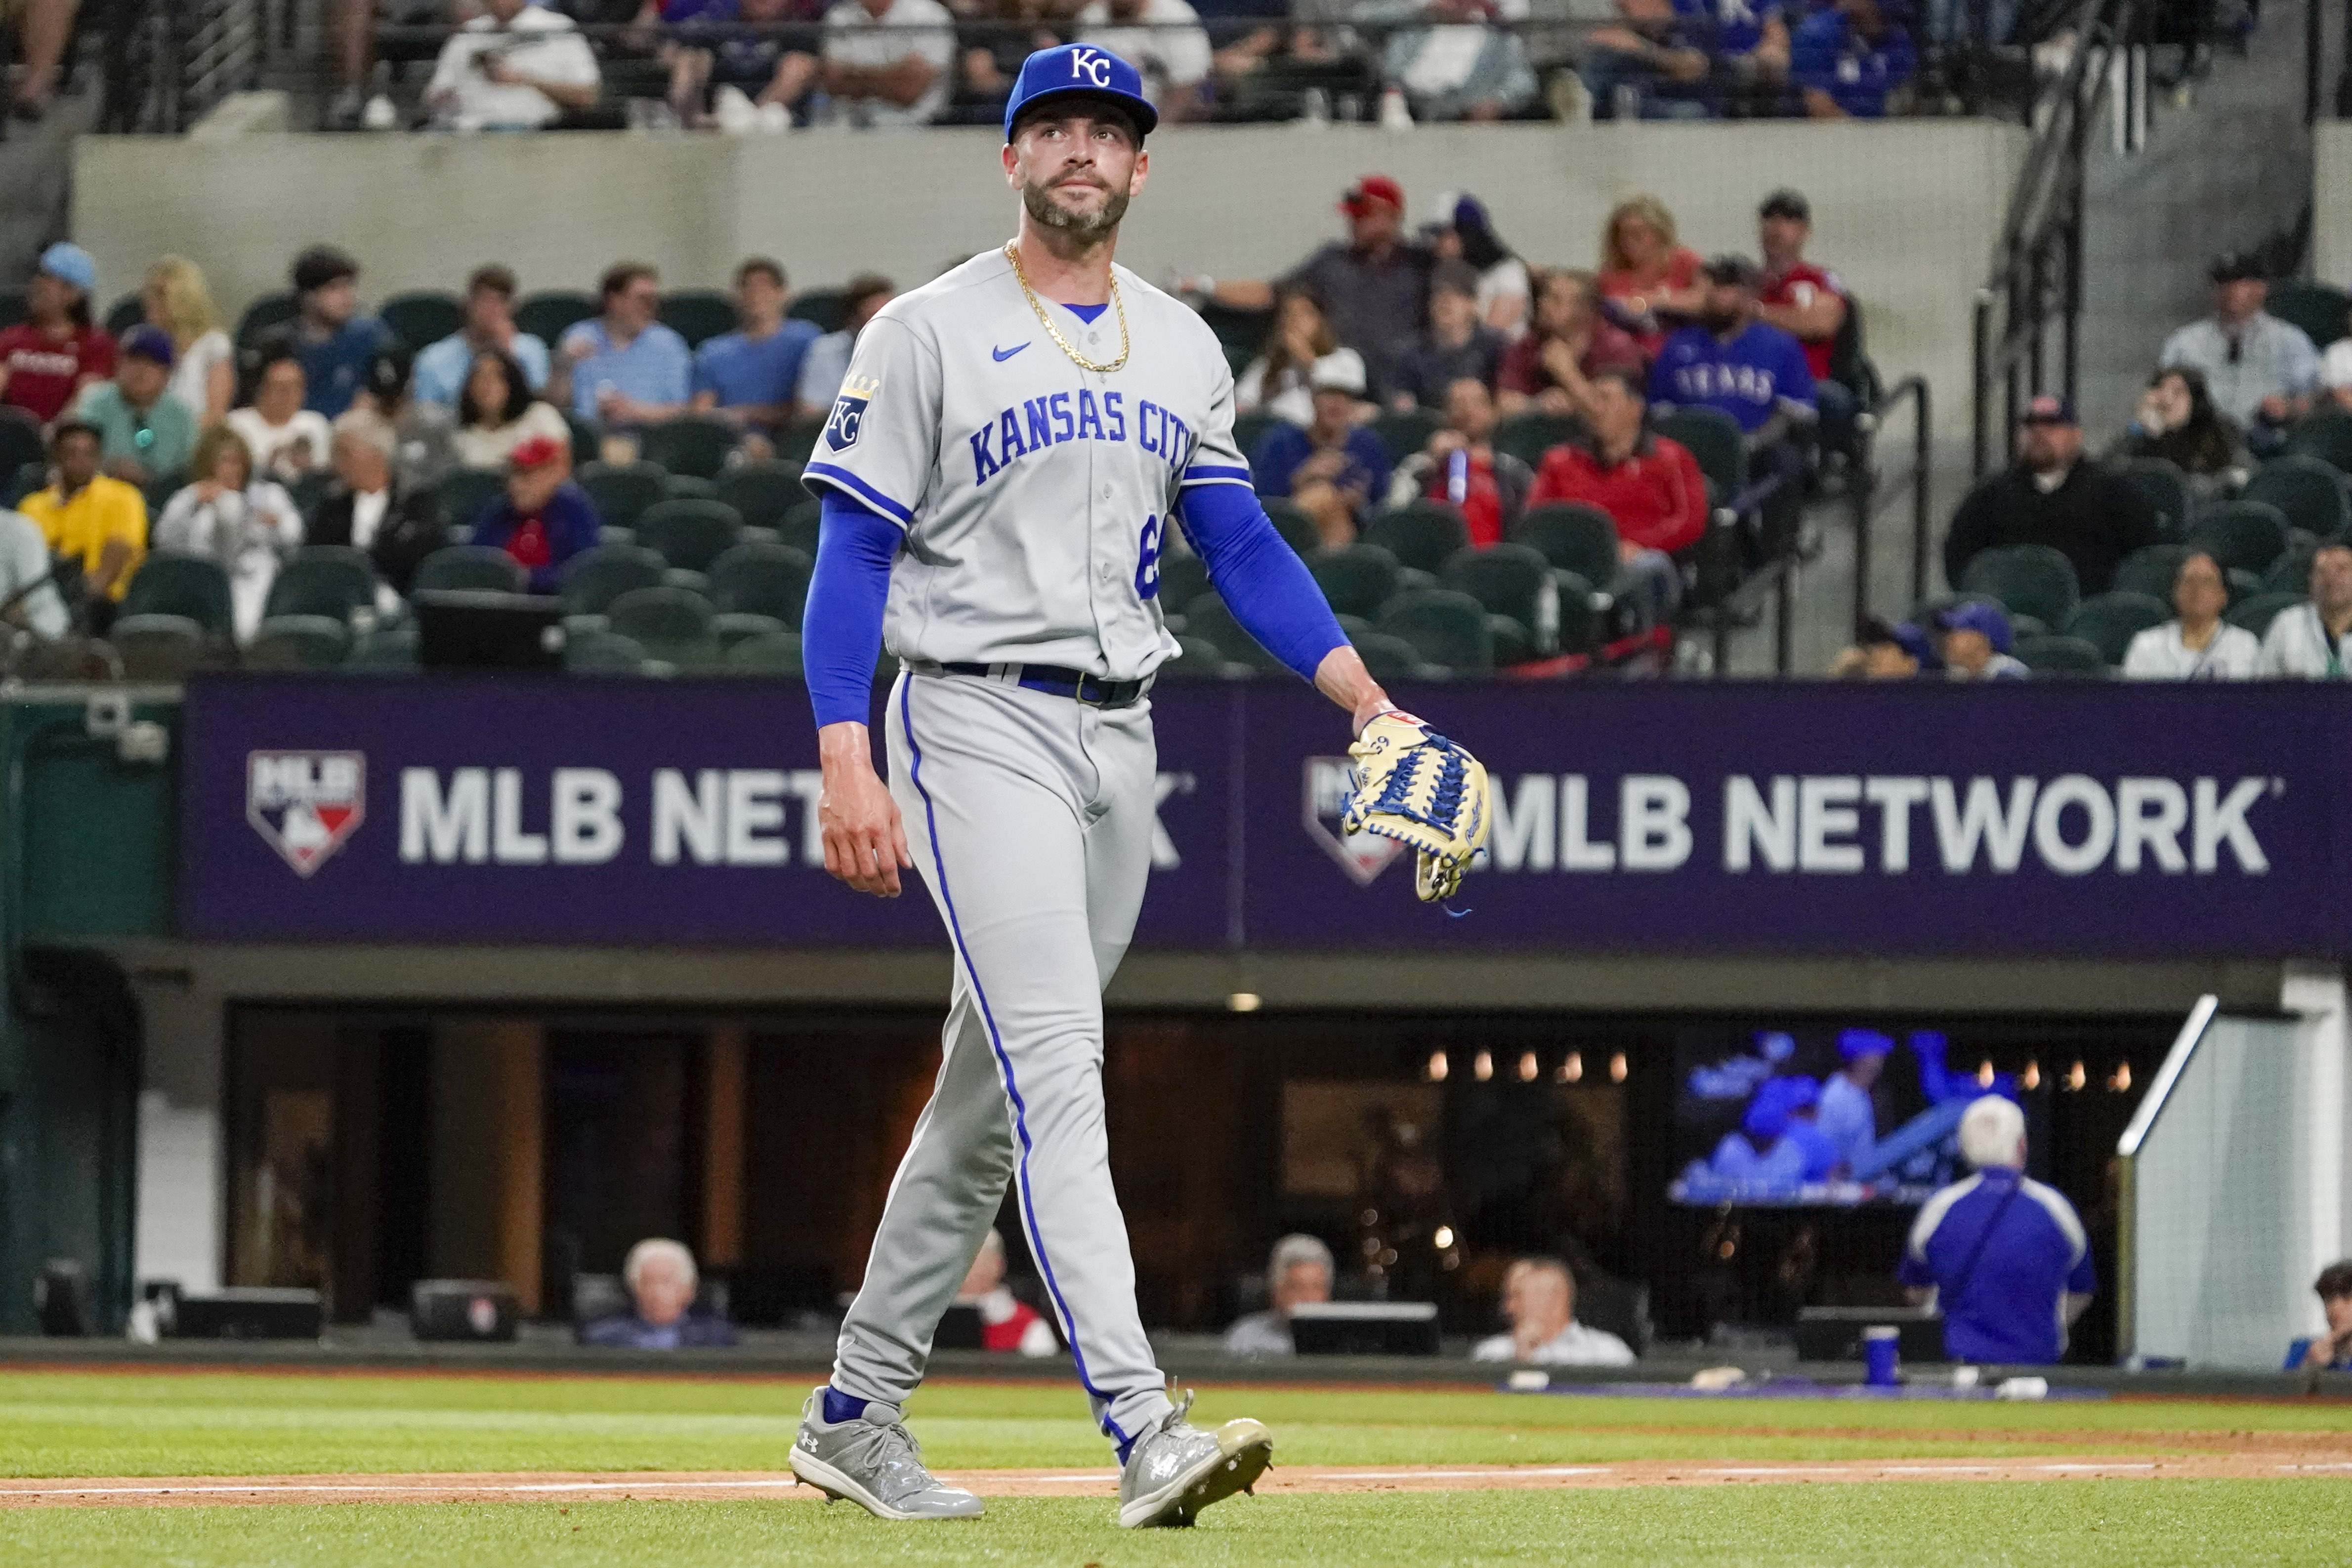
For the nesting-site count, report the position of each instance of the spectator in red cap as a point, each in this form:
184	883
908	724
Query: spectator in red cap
2054	496
1650	486
1374	286
543	519
1550	369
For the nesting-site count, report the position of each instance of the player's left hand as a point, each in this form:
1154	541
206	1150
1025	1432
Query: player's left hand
1418	787
865	839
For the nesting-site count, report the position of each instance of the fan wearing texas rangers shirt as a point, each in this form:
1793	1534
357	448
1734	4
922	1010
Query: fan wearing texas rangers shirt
1002	471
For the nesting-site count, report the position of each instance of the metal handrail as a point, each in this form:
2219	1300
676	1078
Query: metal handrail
2151	1106
1868	501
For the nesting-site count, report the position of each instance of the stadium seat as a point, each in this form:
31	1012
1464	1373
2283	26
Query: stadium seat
551	313
603	654
762	492
2108	621
671	624
464	494
1445	627
1357	579
12	307
2291	573
1392	658
478	567
329	580
124	314
2326	437
1297	528
21	446
2309	494
1422	535
689	534
2059	656
1405	432
587	441
697	315
687	487
157	647
2032	580
797	443
2167	489
757	578
692	444
622	491
1209	620
1250	429
70	660
1183	577
385	651
822	305
597	576
2256	612
268	311
2245	535
801	525
1514	583
2321	310
298	643
1201	660
185	585
731	626
1574	538
2151	570
769	653
423	319
1527	436
1716	440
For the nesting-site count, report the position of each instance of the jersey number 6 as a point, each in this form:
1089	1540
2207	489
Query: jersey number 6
1147	566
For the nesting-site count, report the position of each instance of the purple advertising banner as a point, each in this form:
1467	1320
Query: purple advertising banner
2061	819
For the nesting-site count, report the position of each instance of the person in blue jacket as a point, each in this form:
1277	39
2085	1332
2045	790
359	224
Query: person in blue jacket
543	519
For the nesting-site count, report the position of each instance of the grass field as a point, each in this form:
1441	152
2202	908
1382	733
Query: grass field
214	1424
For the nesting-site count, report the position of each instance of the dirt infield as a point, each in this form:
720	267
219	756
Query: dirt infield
193	1491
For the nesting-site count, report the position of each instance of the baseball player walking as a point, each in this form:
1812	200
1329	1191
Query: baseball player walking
999	478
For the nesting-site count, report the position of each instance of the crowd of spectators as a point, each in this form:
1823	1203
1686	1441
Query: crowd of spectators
771	65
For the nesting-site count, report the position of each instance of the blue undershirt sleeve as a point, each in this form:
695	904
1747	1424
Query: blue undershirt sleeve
1261	578
841	630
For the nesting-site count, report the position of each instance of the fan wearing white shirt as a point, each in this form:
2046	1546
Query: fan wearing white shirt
2200	646
2313	641
1539	1299
287	440
1161	38
236	516
516	67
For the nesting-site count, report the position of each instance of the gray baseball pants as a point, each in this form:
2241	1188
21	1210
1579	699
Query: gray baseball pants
1031	817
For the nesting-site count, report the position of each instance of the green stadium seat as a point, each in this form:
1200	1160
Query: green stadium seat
298	642
1210	620
2109	622
476	566
769	654
797	443
1183	577
2246	536
1527	436
597	576
2059	656
2326	437
756	577
160	647
689	534
1422	535
1392	658
551	313
693	443
124	314
385	651
587	441
1448	628
23	449
762	492
697	315
422	319
2321	310
2151	570
1357	579
687	487
822	305
271	310
1574	538
1249	432
2031	579
2256	612
1405	432
1716	440
672	624
1514	584
2309	494
2167	489
2291	573
464	494
800	528
1200	660
329	580
622	491
180	585
731	626
603	654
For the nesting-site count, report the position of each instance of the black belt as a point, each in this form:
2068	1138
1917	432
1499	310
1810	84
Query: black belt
1055	681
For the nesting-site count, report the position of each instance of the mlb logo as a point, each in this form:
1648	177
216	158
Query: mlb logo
306	804
1328	781
849	413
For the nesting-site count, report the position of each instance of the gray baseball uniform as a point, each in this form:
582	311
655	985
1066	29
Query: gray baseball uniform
1035	498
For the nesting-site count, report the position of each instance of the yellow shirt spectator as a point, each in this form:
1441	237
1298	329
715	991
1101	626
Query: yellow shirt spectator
100	513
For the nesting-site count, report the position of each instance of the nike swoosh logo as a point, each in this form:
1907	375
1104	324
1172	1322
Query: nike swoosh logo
1001	355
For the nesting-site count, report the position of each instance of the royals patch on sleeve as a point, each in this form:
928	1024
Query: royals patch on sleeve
849	413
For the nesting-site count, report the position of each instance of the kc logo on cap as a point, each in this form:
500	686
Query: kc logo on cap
1072	69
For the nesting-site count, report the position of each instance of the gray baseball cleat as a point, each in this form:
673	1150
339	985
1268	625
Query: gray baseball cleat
1176	1470
876	1463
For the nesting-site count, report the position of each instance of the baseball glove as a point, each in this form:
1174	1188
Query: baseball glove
1418	787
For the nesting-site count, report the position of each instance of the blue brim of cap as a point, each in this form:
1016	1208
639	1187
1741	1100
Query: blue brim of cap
1138	107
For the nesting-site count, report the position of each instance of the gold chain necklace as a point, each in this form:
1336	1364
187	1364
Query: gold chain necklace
1013	254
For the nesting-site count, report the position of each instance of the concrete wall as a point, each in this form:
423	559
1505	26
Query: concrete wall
2331	202
1906	212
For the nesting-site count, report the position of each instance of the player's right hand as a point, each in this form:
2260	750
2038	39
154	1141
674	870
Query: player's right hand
865	841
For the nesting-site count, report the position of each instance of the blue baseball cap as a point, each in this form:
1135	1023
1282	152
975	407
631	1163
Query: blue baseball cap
1854	1043
1976	615
69	263
1075	70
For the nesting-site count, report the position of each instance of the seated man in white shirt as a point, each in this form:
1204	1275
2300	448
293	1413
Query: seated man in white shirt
1539	1299
2313	641
1298	1274
516	68
2198	646
1161	38
886	63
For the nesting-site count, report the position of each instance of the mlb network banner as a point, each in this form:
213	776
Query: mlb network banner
2076	819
